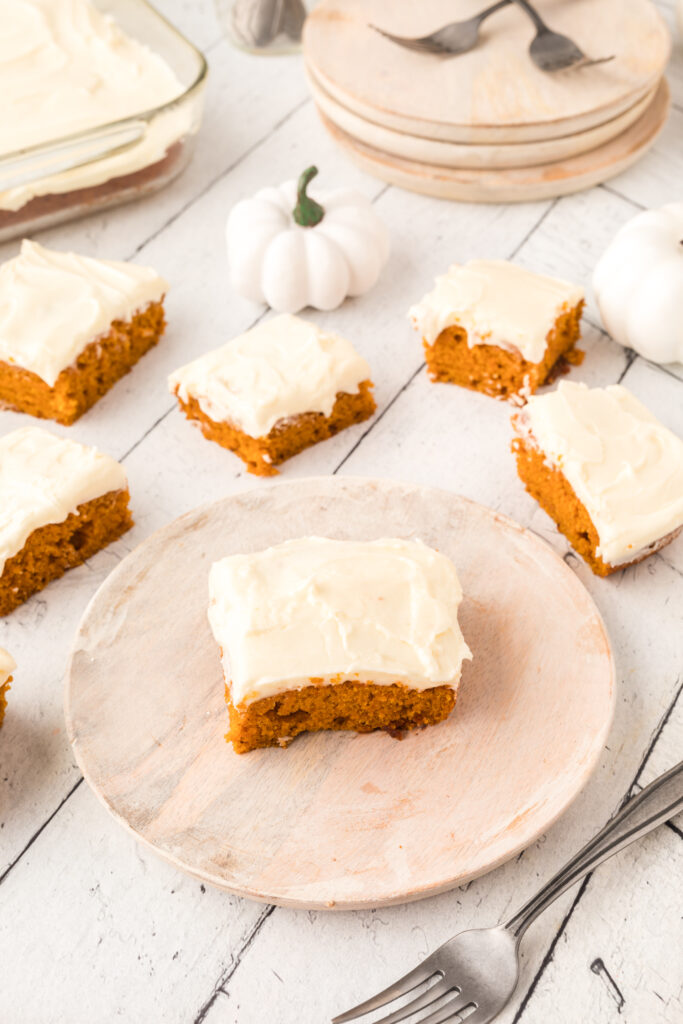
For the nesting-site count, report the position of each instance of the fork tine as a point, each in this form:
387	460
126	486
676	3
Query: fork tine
421	45
448	1010
423	972
422	1002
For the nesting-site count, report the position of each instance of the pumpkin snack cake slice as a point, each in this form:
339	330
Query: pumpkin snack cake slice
494	327
7	666
279	388
60	502
605	469
328	634
70	327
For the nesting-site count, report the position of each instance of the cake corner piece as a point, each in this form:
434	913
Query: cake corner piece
65	501
72	326
494	327
615	510
296	661
274	391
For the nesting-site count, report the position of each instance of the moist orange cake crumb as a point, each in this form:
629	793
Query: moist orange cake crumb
6	667
71	327
605	470
496	328
318	634
289	436
270	393
101	364
358	707
65	503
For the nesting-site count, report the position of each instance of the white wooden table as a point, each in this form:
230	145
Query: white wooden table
93	927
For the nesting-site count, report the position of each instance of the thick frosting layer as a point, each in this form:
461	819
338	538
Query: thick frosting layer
66	67
43	479
282	367
625	467
53	304
314	610
7	666
497	303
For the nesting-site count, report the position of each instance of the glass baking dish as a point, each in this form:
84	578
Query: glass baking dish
115	162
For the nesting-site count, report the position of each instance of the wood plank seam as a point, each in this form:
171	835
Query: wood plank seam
234	964
38	832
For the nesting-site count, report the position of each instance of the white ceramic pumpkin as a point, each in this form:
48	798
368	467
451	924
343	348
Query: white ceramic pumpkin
638	284
289	250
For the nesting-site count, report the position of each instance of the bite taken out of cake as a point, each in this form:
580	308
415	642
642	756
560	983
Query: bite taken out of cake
71	327
494	327
328	634
605	469
60	502
276	390
7	666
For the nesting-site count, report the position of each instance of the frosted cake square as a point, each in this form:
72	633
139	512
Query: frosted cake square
605	469
328	634
274	391
70	327
60	502
494	327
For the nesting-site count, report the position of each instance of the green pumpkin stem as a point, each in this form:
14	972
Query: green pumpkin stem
307	213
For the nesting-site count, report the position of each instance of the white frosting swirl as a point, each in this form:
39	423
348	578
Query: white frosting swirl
282	367
43	479
624	466
497	303
65	66
318	610
53	304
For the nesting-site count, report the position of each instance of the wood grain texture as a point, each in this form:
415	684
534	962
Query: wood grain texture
514	184
494	93
473	155
340	821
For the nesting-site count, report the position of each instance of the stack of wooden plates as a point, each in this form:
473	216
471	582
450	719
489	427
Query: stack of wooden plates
488	125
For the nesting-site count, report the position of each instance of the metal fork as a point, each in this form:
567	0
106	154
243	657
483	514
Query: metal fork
474	974
550	51
458	37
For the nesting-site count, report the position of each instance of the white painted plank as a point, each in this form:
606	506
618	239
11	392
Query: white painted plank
119	933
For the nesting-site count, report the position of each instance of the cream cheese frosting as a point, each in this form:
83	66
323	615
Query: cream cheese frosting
320	610
7	665
53	304
624	466
281	368
43	479
497	303
65	67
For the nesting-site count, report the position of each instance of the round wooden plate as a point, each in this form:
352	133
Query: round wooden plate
483	157
513	184
494	93
341	820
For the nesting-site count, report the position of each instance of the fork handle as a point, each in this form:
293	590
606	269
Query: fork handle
652	807
533	14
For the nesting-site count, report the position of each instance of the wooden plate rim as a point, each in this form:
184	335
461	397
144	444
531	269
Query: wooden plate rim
417	892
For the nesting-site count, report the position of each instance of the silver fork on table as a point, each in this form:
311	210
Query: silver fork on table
474	974
550	51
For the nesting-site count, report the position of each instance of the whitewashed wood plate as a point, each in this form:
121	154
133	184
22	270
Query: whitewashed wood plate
513	184
340	820
471	155
494	93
